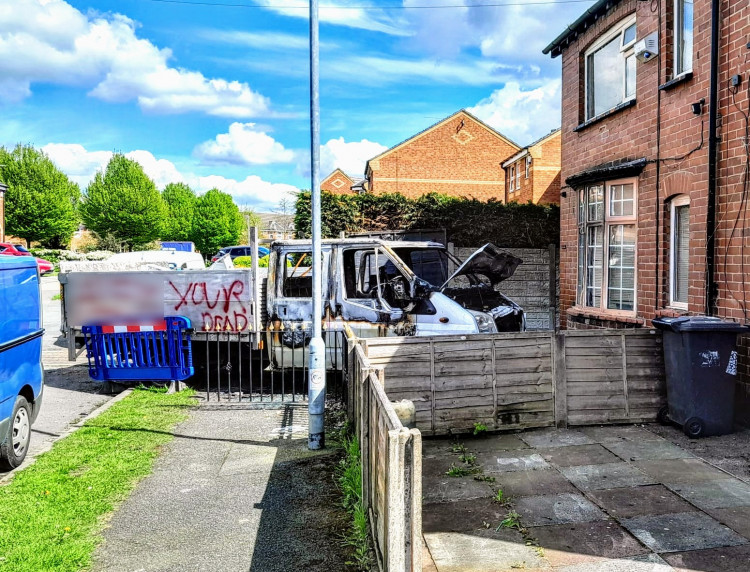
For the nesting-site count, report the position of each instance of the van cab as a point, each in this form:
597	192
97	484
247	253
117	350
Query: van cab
21	373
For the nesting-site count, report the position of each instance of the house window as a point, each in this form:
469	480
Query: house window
610	70
606	246
683	36
528	166
518	177
512	178
679	252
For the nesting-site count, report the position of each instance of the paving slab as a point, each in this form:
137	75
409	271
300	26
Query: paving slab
681	532
729	559
645	563
722	493
680	471
533	483
606	476
545	438
492	443
556	509
736	518
511	461
569	544
647	450
462	516
438	466
639	501
446	489
578	455
486	551
618	433
437	447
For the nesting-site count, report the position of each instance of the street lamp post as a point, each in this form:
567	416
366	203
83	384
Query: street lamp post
316	392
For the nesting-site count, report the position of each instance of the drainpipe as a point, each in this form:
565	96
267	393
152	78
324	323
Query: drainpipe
713	149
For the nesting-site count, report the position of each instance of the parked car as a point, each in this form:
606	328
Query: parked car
237	251
45	266
21	373
13	249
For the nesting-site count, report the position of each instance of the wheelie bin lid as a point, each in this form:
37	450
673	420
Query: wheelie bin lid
698	324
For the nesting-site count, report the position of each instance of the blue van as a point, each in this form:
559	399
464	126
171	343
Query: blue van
21	373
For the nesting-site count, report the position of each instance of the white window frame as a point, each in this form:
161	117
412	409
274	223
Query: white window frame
679	65
607	221
511	186
518	176
626	50
528	166
679	201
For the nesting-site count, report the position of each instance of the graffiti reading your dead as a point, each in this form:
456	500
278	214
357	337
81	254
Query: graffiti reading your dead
216	304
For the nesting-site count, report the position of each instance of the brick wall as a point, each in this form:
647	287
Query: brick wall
529	286
632	133
337	182
459	157
545	169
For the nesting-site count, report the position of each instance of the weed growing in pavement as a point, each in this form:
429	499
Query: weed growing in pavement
499	497
455	471
512	520
458	448
484	478
479	428
469	458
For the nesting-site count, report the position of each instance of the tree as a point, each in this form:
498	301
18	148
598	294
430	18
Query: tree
41	202
217	222
180	200
124	202
249	218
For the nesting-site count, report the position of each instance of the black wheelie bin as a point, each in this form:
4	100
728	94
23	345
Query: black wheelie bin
700	356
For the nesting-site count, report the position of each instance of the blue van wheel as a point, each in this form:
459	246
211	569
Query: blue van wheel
16	443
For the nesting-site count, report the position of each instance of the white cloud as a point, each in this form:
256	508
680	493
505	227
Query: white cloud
522	115
261	40
81	165
49	41
344	14
349	157
244	144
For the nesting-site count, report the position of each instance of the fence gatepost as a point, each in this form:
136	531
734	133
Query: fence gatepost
396	507
416	500
560	380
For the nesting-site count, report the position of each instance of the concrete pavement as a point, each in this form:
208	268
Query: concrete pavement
599	499
237	490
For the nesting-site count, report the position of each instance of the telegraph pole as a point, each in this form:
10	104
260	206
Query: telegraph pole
316	393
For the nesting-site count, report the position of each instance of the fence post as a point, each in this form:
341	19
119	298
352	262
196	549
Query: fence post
560	380
395	533
552	287
416	501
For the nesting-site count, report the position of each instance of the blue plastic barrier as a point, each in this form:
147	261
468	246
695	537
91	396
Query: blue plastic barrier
159	350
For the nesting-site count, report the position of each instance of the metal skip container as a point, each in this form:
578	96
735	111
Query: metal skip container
700	356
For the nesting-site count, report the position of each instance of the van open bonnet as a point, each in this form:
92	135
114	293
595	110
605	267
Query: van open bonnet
488	261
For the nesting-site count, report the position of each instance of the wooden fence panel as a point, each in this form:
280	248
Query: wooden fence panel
524	380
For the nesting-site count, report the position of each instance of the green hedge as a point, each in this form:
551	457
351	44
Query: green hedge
247	262
468	222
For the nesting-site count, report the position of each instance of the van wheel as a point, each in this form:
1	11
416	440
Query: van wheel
15	445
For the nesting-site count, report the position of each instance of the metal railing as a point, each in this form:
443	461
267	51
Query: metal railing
270	367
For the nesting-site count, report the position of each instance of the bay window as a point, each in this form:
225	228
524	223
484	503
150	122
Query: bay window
611	69
607	245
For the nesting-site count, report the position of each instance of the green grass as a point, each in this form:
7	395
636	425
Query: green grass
52	513
349	476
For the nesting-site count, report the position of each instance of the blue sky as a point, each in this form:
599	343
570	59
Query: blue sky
217	96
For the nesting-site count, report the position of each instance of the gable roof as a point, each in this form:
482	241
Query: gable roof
338	171
525	151
439	124
579	26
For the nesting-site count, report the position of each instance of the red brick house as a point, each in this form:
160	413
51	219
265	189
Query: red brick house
459	156
338	182
655	164
533	174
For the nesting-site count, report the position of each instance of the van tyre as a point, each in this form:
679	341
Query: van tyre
15	444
